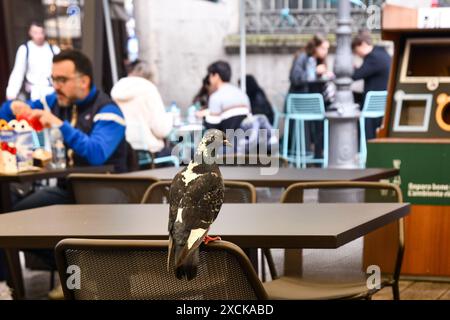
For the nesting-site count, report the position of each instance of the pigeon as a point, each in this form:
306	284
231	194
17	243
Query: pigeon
196	196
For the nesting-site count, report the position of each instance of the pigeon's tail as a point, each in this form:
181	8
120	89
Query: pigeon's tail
188	269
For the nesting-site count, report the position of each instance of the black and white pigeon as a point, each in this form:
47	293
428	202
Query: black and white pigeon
196	196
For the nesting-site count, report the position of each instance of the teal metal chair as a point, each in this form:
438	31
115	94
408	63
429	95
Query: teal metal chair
302	108
148	159
374	107
277	114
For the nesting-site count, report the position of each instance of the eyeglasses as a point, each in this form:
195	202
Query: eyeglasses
62	80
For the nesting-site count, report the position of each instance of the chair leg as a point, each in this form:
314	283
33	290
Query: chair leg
303	144
271	263
326	137
286	138
52	279
263	266
396	291
298	143
362	143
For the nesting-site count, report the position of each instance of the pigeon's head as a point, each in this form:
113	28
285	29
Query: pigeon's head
212	141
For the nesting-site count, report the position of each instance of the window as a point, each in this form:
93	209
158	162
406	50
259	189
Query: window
413	112
63	22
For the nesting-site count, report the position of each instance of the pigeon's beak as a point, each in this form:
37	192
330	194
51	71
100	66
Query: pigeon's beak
227	143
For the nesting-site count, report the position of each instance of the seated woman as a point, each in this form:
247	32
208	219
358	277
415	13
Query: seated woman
146	119
258	99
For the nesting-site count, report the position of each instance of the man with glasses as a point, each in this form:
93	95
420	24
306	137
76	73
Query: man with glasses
92	125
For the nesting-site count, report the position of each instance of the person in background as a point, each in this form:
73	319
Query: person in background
375	72
310	66
92	126
148	123
309	74
33	66
228	106
202	97
258	99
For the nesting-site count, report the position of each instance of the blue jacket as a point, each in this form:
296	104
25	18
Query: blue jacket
100	129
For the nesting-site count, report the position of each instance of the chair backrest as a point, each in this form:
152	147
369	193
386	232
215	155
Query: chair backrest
108	188
306	106
235	192
137	270
239	192
253	160
390	238
374	104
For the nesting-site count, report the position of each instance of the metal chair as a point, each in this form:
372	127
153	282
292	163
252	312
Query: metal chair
320	285
108	188
235	192
148	160
137	270
302	108
374	107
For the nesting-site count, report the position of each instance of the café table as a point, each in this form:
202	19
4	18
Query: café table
294	226
32	176
281	177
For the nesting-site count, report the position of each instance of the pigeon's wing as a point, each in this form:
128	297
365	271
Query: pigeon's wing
177	189
176	193
213	199
199	208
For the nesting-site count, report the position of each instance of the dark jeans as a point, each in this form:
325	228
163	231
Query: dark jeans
41	198
372	124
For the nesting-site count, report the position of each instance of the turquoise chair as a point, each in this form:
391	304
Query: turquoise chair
302	108
374	107
277	114
146	158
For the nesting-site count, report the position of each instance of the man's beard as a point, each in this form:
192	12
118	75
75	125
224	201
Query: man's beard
63	104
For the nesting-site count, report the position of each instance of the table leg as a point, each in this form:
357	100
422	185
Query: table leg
15	278
293	262
5	205
253	256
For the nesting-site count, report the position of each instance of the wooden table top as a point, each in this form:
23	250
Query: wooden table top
53	173
247	225
284	177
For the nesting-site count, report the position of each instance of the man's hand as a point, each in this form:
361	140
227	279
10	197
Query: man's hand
19	107
46	118
202	113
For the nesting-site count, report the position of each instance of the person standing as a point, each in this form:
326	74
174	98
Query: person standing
30	78
375	72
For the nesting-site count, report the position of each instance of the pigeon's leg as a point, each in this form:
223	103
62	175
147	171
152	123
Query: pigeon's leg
209	239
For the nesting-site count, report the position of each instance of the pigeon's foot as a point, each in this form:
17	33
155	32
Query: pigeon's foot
209	239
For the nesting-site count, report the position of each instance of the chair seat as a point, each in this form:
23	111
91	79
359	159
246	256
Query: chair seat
293	288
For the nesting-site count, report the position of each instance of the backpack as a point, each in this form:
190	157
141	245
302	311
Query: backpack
23	90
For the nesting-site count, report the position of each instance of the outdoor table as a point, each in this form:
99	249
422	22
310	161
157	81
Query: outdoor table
284	176
247	225
6	180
